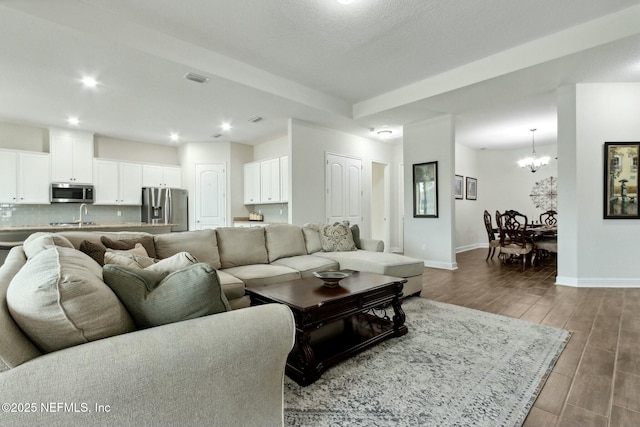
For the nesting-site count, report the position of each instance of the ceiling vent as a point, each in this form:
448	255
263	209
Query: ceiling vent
217	135
256	119
196	78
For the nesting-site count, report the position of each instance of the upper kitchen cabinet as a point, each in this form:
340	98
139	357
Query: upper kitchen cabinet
270	181
24	177
71	156
252	183
117	183
266	181
161	176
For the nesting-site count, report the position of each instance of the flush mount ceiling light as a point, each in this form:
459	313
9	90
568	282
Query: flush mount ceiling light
385	133
74	121
174	137
533	163
88	81
225	126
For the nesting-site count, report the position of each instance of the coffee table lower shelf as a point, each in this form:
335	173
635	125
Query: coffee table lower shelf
335	342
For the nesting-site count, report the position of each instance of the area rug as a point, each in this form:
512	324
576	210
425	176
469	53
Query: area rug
455	367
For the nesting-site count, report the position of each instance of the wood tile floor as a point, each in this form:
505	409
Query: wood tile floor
596	381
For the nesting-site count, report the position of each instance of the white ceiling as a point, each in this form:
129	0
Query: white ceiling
495	64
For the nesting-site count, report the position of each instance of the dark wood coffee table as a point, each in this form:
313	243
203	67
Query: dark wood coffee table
335	323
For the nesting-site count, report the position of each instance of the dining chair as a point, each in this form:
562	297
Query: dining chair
493	242
549	218
513	236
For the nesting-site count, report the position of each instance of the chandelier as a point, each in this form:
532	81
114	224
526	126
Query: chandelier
533	162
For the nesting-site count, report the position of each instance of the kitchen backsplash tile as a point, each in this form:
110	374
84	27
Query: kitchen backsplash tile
11	214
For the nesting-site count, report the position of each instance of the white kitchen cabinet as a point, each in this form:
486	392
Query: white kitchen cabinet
161	176
284	179
24	177
270	181
252	183
71	156
117	183
266	181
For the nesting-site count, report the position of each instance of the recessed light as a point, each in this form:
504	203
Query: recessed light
225	126
74	121
174	137
88	81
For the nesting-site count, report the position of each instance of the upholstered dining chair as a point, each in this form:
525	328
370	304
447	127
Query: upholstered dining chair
513	236
547	244
493	242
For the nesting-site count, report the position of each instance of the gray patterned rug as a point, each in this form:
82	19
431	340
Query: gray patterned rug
455	367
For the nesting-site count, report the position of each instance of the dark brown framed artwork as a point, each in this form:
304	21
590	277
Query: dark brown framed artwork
621	180
425	190
472	188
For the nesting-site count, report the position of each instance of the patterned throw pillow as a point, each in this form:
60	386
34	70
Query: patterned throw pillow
337	238
125	244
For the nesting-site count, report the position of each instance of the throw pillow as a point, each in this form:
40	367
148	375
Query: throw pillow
336	238
128	259
124	244
173	263
157	298
311	234
59	300
37	242
355	232
137	249
95	250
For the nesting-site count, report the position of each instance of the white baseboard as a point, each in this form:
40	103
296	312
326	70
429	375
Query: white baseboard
441	265
598	282
471	247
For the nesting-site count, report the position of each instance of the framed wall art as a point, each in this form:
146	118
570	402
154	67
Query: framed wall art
472	188
621	180
425	190
458	188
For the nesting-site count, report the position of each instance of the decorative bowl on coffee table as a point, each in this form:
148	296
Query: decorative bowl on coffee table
331	279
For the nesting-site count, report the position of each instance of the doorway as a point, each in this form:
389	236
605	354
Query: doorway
380	203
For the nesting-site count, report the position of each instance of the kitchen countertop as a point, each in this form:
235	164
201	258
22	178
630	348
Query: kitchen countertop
89	227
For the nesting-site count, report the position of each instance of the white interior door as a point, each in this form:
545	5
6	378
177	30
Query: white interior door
344	189
210	201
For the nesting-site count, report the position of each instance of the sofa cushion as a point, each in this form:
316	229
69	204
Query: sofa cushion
263	274
59	300
355	233
126	244
241	246
157	298
284	240
308	264
127	259
336	238
376	262
232	287
311	234
37	242
202	244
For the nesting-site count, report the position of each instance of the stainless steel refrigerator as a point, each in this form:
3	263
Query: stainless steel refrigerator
165	206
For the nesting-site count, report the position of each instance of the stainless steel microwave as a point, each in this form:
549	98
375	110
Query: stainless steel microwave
62	192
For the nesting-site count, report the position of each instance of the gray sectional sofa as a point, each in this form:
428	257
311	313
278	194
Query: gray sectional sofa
184	373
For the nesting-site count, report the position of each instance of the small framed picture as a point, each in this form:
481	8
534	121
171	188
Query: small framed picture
458	187
621	180
472	188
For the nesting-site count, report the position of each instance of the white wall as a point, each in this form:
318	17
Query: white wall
469	226
22	137
277	147
120	149
607	249
397	200
431	239
233	156
308	145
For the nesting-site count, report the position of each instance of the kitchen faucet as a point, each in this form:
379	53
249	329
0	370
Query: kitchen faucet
86	212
